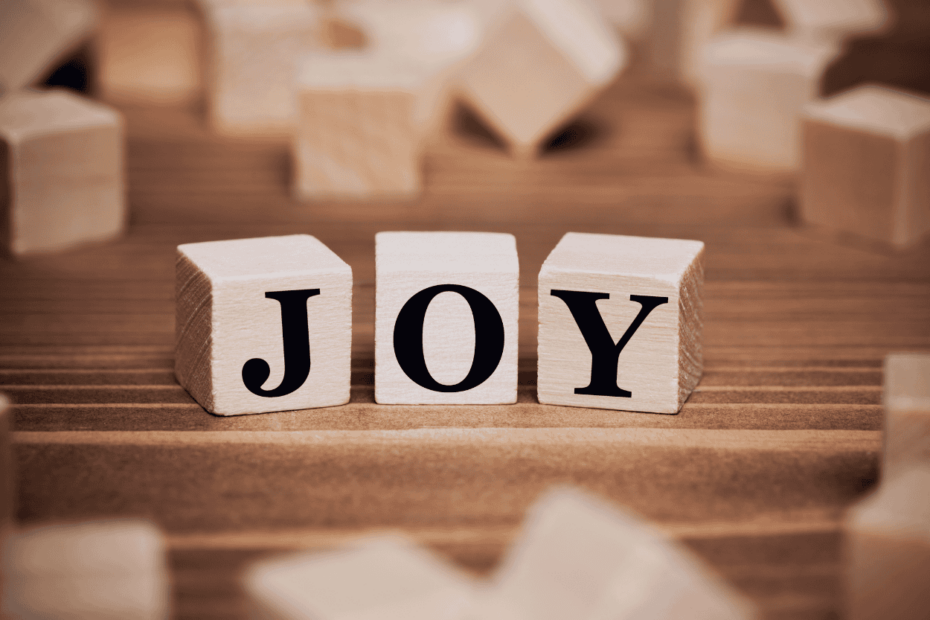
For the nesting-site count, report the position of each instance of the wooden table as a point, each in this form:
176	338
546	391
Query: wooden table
782	434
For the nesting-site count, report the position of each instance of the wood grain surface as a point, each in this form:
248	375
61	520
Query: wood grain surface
780	436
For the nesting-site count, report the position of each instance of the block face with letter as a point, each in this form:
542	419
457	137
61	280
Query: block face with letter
263	324
621	322
446	318
907	412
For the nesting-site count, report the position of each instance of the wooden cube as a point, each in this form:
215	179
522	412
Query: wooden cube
621	322
907	412
446	306
580	558
887	550
263	324
383	578
832	20
867	165
754	86
61	164
539	65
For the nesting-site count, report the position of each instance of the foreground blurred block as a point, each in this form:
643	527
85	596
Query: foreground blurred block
579	558
238	302
754	87
621	322
867	164
907	412
887	550
539	65
382	578
446	318
96	570
832	21
61	164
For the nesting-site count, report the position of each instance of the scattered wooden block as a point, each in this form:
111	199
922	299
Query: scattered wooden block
384	578
832	21
621	322
446	318
63	167
907	412
887	550
263	324
867	164
580	558
755	85
539	65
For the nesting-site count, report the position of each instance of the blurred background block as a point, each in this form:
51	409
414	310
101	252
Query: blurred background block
907	412
832	21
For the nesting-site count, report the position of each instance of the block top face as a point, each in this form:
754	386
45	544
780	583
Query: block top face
900	507
241	259
29	114
261	17
458	252
907	382
875	109
357	71
852	16
646	257
772	51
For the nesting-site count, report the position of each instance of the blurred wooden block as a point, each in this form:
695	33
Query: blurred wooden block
867	165
755	85
832	21
621	322
34	34
907	412
538	66
61	162
357	135
580	558
7	477
446	318
631	18
382	578
263	324
887	550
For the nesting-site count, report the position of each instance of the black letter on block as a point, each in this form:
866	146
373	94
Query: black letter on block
605	354
489	338
296	335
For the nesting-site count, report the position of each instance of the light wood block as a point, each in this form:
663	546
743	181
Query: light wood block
867	165
621	322
263	324
907	412
887	550
382	578
754	86
34	34
539	65
578	557
61	172
446	306
832	20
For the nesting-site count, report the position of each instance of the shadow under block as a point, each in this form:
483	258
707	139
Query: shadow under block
621	322
867	165
907	412
754	86
379	578
446	318
61	171
578	557
540	63
832	21
887	550
99	570
263	324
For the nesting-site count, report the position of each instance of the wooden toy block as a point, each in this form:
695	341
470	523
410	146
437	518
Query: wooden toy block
867	165
832	21
887	550
621	322
357	135
34	34
754	86
540	63
580	558
907	412
61	172
263	324
382	578
446	306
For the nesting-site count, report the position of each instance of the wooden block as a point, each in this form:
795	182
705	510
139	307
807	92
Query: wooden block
907	412
34	34
263	324
887	550
631	18
580	558
867	165
446	324
539	65
61	167
621	322
357	134
382	578
832	21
